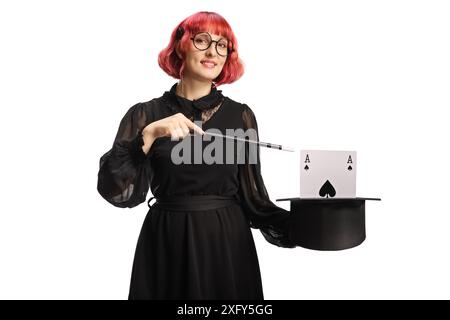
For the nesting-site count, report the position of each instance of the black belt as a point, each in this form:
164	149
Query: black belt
193	203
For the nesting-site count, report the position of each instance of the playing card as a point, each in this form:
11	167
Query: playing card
327	174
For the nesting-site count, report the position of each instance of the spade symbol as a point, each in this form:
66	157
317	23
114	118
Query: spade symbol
349	168
327	190
306	167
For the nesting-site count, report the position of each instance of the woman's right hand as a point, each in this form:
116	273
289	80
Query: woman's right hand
176	126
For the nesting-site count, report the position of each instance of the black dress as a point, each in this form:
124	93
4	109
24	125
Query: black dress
185	250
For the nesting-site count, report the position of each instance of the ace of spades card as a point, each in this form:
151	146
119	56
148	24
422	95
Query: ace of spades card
327	174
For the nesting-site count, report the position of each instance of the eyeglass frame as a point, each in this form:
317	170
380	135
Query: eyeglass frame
229	50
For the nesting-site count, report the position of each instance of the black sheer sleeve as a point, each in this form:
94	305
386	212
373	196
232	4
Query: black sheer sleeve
123	177
261	212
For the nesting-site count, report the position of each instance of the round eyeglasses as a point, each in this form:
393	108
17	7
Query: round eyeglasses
203	40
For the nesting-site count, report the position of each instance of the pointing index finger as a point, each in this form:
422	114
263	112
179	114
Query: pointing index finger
195	128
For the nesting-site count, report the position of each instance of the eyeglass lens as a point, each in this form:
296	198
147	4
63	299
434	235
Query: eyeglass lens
202	41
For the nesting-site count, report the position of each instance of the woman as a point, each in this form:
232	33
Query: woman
195	242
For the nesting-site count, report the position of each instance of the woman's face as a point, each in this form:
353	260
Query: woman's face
206	64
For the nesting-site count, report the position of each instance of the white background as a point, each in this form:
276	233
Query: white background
370	76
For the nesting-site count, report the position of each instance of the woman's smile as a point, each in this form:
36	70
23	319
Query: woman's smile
208	63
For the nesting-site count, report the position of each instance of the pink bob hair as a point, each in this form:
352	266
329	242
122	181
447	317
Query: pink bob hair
169	61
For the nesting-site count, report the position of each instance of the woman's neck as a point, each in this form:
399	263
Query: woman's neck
192	89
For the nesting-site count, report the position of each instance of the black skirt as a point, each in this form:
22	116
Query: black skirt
199	248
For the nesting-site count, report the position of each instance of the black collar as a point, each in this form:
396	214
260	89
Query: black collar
193	107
